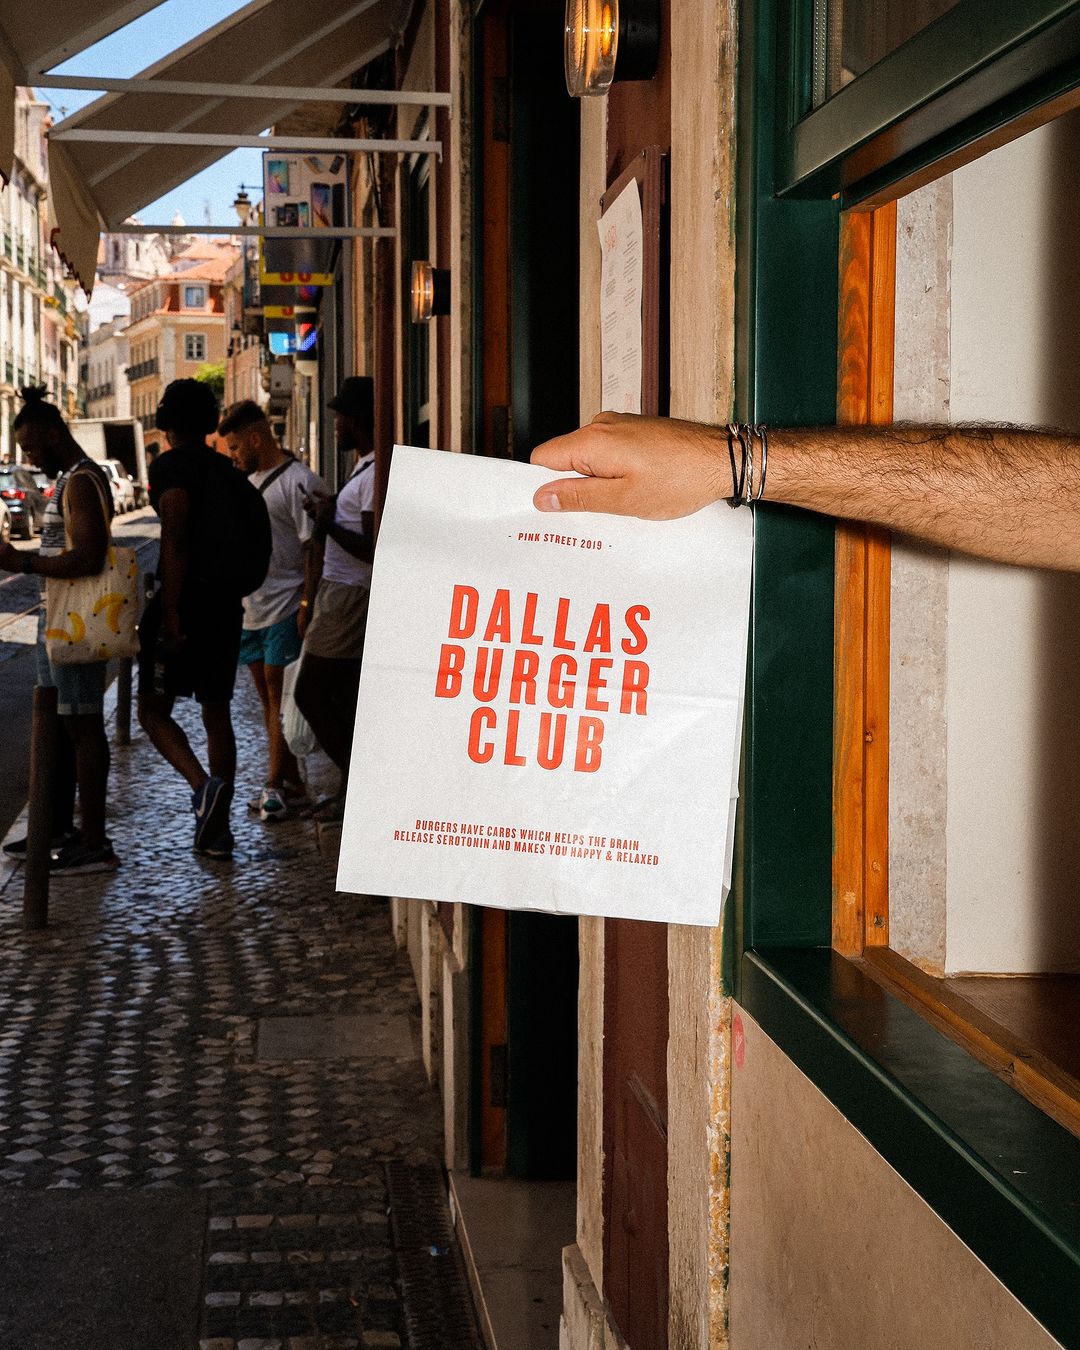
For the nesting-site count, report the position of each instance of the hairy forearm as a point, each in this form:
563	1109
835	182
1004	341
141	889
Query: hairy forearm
1010	494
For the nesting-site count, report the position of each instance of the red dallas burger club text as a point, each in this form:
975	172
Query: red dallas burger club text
524	655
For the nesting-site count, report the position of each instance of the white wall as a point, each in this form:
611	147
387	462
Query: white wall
1011	695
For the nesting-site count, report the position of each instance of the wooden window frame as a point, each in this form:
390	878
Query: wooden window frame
863	560
860	910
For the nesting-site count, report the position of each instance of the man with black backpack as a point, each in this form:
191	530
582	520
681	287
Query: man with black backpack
215	549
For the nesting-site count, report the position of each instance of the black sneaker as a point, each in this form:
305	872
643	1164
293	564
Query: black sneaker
220	847
75	860
16	848
211	806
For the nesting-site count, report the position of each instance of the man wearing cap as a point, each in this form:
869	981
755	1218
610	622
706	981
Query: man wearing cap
334	642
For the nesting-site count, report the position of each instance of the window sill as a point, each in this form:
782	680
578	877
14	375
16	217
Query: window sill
1022	1027
999	1171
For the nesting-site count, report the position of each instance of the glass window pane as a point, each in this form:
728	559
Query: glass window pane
850	36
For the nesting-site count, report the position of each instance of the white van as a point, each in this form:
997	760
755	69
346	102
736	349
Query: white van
120	439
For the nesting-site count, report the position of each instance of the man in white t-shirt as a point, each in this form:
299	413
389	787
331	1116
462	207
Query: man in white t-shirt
276	615
334	642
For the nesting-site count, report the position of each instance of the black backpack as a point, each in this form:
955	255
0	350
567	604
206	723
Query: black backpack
231	539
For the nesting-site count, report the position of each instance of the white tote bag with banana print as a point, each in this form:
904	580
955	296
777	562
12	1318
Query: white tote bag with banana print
94	618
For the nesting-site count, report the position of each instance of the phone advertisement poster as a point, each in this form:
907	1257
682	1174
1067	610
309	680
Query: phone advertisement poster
302	192
305	190
551	705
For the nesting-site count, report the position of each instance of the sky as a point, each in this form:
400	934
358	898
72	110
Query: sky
132	49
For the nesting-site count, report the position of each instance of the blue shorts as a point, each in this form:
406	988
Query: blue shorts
276	645
80	690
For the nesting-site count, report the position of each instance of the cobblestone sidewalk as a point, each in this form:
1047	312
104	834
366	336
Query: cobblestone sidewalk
228	1026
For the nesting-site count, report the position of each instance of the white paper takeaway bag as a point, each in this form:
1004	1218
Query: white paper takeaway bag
550	709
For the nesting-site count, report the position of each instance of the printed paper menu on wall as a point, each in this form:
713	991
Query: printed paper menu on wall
550	709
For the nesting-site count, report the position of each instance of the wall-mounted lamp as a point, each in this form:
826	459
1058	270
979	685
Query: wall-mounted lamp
608	40
430	291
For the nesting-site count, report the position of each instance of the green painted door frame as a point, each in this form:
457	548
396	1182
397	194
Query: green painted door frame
785	375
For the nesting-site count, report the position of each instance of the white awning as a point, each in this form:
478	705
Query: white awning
295	43
31	41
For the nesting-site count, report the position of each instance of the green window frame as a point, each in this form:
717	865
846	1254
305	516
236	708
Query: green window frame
984	1158
980	66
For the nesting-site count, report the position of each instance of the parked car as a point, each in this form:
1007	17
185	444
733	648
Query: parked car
25	501
122	486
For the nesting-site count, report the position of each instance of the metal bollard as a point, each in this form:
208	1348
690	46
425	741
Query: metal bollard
44	728
123	702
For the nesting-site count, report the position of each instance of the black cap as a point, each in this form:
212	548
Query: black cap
355	398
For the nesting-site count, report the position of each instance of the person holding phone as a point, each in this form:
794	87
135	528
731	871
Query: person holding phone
329	678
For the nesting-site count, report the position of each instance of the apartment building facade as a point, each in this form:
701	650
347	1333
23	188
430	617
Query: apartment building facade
39	323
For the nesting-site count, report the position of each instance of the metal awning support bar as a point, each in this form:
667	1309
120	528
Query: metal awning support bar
267	231
223	141
283	92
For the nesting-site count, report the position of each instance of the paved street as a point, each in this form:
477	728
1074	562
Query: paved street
231	1036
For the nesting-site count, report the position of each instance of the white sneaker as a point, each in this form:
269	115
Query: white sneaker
272	804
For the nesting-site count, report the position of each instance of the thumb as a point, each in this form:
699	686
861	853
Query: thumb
581	494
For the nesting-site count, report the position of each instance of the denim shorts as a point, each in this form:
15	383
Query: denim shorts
80	690
276	645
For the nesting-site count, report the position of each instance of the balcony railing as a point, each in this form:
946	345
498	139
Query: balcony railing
142	369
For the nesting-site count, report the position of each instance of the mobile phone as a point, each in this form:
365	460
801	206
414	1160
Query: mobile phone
320	204
337	210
